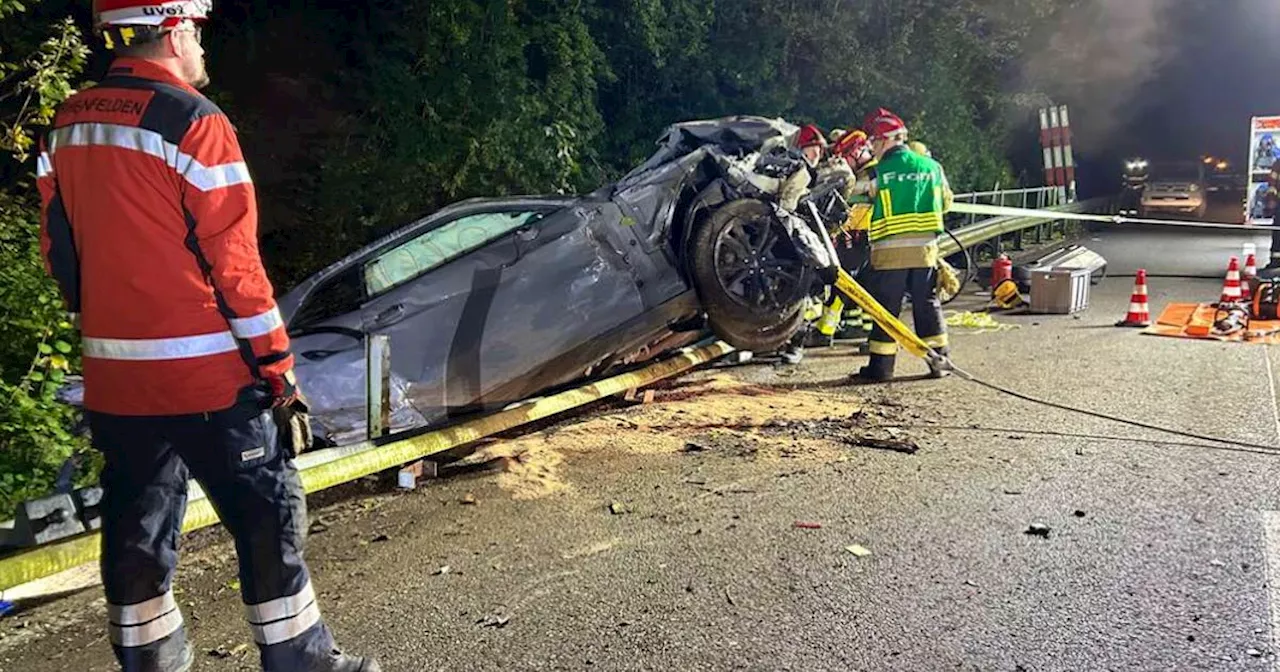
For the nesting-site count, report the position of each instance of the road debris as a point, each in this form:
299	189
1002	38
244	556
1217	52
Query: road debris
728	597
469	499
223	652
1217	563
906	447
444	569
858	550
1254	652
618	508
1039	530
1079	513
381	537
806	525
692	447
970	583
1011	491
492	621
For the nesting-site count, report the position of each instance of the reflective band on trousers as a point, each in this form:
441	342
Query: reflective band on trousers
200	176
939	341
183	347
282	619
882	348
144	623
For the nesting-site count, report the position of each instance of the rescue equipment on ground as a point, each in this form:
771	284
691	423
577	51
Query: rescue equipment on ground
1231	286
1230	319
1266	300
977	323
1139	314
1061	291
1006	295
1001	269
1069	256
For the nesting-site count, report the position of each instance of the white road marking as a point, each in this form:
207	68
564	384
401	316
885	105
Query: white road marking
1271	534
1271	381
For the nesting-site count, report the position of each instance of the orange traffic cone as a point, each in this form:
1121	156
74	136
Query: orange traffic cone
1250	277
1231	288
1139	314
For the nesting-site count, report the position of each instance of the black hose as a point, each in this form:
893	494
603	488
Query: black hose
970	269
1258	447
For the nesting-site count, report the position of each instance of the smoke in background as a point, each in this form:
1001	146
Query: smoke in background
1097	60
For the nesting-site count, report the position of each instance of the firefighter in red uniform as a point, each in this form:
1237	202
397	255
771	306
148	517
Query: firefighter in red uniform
149	225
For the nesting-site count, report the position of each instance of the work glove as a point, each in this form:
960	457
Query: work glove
948	281
284	389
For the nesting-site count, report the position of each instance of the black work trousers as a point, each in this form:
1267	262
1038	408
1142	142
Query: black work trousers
889	287
247	473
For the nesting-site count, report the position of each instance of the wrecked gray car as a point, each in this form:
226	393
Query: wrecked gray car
491	301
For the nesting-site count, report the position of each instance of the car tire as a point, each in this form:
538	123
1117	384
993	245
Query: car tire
745	327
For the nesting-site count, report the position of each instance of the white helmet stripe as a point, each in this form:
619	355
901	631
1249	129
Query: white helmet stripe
156	14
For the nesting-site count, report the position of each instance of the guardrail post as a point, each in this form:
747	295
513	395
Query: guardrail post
378	379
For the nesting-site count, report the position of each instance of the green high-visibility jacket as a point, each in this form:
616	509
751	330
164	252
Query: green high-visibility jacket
911	196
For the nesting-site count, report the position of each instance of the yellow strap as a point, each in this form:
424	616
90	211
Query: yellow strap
935	342
846	285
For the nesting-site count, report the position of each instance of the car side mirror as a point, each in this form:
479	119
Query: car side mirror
527	233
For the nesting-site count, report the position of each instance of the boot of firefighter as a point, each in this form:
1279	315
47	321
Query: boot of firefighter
321	655
878	370
345	662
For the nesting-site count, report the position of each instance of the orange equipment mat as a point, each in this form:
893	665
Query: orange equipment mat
1195	320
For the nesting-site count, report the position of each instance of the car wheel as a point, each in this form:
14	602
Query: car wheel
751	280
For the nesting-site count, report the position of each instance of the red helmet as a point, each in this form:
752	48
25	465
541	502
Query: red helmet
850	145
883	124
810	136
153	13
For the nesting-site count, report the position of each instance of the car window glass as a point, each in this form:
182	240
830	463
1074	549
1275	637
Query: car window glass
336	296
439	245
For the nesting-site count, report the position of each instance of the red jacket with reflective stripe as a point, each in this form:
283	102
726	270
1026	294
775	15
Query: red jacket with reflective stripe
149	224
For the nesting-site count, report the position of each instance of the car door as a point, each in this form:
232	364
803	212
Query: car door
560	308
428	292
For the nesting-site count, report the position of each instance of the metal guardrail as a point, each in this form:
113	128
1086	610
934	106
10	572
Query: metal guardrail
996	228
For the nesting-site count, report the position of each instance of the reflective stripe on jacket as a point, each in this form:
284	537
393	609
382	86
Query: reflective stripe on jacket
149	224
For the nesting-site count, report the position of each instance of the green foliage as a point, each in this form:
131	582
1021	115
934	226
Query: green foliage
38	62
399	108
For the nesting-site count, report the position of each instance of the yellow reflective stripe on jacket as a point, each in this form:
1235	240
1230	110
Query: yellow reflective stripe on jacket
908	223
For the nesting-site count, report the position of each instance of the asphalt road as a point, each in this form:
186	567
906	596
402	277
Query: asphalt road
1180	250
1157	555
